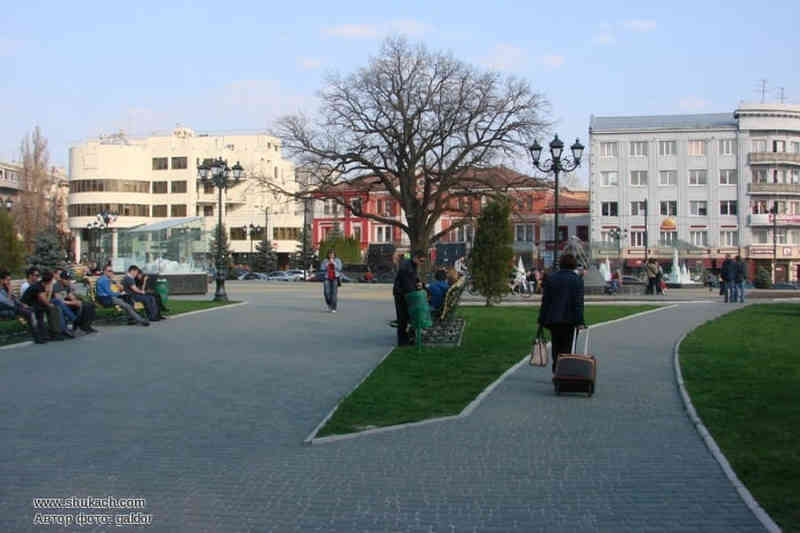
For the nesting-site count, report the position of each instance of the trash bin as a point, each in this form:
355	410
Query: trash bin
419	312
162	288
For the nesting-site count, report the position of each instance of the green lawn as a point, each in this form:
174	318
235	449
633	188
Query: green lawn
12	331
409	386
742	372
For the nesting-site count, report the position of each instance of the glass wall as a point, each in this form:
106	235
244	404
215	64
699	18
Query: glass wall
169	247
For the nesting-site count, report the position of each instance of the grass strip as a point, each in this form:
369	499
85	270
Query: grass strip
742	372
12	331
409	386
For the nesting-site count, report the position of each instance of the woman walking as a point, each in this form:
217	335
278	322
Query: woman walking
332	271
562	306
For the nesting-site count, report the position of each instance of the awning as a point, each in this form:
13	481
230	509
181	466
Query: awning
165	224
634	263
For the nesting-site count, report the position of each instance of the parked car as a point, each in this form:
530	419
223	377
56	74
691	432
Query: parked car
319	276
254	275
278	275
295	275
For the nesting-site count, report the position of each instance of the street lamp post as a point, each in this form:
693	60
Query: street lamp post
774	213
254	230
556	165
104	221
646	244
619	234
218	173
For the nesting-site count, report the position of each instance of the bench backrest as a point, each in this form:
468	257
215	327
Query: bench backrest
452	299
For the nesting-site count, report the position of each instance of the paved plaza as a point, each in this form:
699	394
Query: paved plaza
204	417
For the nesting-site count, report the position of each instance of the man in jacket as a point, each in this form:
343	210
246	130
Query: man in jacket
11	307
728	273
107	298
741	274
652	272
562	306
407	281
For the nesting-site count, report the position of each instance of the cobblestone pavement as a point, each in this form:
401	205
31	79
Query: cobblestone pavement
204	417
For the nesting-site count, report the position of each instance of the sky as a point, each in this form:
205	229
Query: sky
81	69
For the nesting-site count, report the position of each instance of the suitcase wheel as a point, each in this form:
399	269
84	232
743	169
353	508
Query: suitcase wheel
591	390
558	389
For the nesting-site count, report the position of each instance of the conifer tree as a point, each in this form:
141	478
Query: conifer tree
492	254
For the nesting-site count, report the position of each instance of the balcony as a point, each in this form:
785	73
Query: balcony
765	219
773	158
773	188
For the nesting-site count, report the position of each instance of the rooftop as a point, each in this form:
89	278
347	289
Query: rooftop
705	121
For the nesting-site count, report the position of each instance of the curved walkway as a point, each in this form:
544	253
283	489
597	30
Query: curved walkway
205	417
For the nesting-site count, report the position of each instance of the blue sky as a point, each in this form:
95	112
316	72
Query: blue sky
78	69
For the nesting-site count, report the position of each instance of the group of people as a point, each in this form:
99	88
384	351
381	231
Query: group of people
655	277
47	297
53	311
732	276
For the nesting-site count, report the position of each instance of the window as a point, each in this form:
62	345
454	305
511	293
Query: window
608	149
698	208
159	210
668	238
796	149
638	178
208	210
668	177
208	188
639	149
760	175
669	208
699	238
107	185
388	206
524	233
727	147
608	179
697	148
667	148
330	207
795	236
780	236
179	186
355	205
759	145
383	234
760	236
728	238
123	210
179	163
160	163
697	177
159	187
637	239
727	177
286	234
609	209
727	207
778	146
357	232
177	210
780	175
759	207
464	234
238	234
638	208
582	232
276	172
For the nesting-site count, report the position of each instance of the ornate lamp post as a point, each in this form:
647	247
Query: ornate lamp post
253	231
618	234
218	173
556	165
104	221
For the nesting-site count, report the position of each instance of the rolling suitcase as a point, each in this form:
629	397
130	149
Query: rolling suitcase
576	372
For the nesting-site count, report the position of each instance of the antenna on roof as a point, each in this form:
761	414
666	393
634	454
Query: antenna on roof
781	95
763	89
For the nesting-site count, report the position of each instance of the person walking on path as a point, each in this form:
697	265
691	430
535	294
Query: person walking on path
332	271
652	272
741	273
407	281
728	273
562	306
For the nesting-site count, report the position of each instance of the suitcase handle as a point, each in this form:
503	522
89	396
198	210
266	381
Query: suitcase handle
585	342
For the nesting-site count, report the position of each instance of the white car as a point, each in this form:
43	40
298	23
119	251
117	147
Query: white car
295	275
278	275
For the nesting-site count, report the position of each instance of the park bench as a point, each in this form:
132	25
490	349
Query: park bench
451	300
91	286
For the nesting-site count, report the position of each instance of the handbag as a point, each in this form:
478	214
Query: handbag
539	351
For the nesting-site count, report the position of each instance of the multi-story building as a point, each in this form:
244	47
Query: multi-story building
701	183
10	182
154	179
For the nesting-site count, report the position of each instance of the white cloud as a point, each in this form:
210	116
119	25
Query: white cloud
410	27
693	103
309	63
604	38
641	25
552	61
505	57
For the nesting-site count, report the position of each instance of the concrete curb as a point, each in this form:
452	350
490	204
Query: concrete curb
17	345
468	409
748	499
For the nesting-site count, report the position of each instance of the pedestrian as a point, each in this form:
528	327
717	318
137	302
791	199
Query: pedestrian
651	269
659	279
728	273
562	306
331	271
406	281
741	274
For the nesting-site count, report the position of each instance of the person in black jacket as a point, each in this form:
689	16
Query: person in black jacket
407	281
728	273
562	305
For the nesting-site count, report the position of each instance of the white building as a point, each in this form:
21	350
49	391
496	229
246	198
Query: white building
707	180
154	179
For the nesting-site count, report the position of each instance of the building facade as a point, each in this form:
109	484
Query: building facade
154	179
701	183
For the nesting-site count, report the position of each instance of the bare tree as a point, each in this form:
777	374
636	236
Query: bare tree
34	211
419	125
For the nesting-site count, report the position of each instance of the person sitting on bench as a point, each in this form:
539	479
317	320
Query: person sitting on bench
38	296
138	295
438	289
11	307
106	298
84	311
146	283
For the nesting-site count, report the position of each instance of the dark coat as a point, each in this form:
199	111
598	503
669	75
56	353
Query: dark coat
728	270
741	271
562	299
407	278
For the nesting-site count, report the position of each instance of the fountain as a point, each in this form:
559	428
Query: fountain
679	277
605	270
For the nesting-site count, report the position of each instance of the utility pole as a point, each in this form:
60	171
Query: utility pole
774	212
645	230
